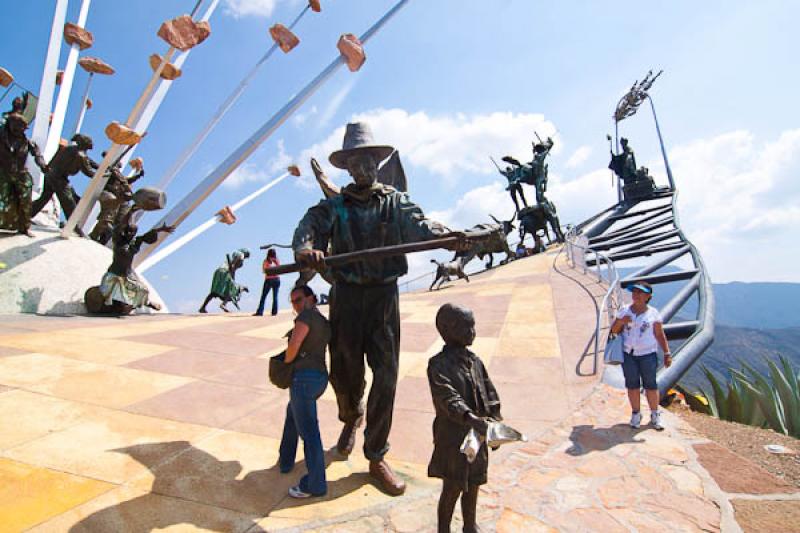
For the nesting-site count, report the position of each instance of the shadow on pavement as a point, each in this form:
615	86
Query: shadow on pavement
587	438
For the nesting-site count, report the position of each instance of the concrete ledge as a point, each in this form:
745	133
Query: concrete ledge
49	275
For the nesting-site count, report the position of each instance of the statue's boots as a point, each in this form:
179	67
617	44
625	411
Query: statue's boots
388	481
347	438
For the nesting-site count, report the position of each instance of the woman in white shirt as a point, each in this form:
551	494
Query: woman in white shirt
642	333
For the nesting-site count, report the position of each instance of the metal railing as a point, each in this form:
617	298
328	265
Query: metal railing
612	296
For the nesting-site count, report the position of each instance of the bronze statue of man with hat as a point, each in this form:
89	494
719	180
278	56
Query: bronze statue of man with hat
68	161
16	183
364	305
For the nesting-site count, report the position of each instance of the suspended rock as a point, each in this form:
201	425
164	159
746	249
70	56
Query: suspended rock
226	216
184	33
150	199
284	37
89	103
353	52
5	77
74	34
59	77
121	134
294	170
169	72
315	5
136	163
95	65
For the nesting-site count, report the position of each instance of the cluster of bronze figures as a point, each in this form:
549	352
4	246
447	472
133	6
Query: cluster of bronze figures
372	213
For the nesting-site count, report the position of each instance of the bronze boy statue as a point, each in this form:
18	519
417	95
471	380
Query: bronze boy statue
464	398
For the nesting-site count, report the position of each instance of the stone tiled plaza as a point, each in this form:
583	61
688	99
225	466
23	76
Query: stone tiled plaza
168	422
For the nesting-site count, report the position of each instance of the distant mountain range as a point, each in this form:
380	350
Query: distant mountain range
754	321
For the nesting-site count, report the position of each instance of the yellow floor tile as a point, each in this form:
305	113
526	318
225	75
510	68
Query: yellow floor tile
25	416
129	509
114	447
30	495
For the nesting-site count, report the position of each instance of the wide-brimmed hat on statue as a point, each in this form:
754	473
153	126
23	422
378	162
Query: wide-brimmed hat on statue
358	139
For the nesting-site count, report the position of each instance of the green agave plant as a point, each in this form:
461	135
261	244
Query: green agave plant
752	398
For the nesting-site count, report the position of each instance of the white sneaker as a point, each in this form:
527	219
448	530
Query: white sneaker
297	492
655	420
636	420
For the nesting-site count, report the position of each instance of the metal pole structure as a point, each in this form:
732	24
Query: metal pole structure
158	97
202	228
178	165
661	142
60	111
46	89
143	121
191	201
84	101
616	142
95	187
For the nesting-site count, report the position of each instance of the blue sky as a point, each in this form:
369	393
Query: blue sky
449	83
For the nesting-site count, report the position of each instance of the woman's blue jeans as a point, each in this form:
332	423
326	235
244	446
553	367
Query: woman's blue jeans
301	420
273	284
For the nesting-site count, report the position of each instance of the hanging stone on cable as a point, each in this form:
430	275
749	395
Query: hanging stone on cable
59	77
6	78
352	50
95	65
169	72
283	37
184	33
226	216
294	170
121	134
314	4
74	34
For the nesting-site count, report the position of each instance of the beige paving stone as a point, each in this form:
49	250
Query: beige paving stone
514	522
350	489
272	331
539	330
127	509
143	328
663	446
684	479
101	446
30	495
367	524
96	350
227	469
34	368
25	416
110	386
511	347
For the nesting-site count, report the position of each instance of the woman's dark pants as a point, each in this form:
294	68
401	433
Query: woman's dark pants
301	420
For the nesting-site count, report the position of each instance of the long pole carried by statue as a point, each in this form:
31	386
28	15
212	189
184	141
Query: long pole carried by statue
337	260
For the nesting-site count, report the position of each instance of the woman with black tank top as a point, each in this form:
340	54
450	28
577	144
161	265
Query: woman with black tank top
306	349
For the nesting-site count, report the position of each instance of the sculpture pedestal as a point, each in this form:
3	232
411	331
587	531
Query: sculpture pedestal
49	275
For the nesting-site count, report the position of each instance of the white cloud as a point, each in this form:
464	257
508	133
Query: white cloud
257	173
334	104
475	206
245	8
578	157
300	118
447	145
